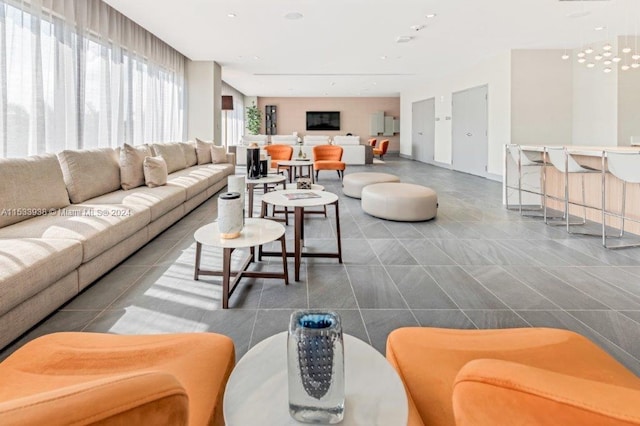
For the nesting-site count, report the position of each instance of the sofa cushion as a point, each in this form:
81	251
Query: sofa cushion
97	226
159	200
29	265
218	154
28	184
90	173
203	150
190	154
193	180
346	140
155	171
131	165
173	155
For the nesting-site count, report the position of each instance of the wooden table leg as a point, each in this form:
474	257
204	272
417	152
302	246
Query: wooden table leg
299	213
313	179
283	245
198	254
226	275
250	191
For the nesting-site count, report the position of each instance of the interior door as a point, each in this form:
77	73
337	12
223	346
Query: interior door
423	118
469	127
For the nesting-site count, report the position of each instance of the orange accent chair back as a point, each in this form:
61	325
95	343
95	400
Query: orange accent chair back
373	141
279	152
382	149
328	157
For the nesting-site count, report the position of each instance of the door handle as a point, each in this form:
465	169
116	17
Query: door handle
469	134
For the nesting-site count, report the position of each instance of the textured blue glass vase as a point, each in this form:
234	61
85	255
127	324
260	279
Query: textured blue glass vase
316	367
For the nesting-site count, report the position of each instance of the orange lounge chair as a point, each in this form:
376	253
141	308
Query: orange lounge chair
382	149
328	157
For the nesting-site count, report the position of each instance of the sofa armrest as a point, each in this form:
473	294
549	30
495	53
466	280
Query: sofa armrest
231	158
493	392
141	398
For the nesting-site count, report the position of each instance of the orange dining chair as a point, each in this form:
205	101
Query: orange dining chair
328	157
279	152
382	150
373	141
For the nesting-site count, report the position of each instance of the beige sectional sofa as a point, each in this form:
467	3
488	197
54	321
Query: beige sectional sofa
65	221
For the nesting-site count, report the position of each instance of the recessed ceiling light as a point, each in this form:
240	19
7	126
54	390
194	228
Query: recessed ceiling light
582	60
616	59
607	62
591	65
256	57
588	50
607	47
418	27
581	54
333	83
626	49
625	67
607	70
403	39
374	83
578	14
597	57
635	65
565	57
600	28
231	15
293	16
383	57
431	15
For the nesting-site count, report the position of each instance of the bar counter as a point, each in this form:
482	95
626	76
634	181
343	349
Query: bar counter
592	156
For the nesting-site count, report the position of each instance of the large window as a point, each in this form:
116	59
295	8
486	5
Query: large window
81	75
234	122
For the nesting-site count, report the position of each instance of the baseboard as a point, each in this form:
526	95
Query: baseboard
493	176
408	157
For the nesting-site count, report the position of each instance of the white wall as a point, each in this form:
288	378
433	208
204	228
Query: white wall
541	98
628	102
204	86
494	72
595	105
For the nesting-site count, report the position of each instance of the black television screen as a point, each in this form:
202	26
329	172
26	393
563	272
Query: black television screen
323	120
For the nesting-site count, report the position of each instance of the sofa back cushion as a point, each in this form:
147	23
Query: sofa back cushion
90	173
190	155
30	186
173	155
131	171
203	150
155	171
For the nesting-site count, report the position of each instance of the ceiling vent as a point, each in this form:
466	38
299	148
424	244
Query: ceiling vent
403	39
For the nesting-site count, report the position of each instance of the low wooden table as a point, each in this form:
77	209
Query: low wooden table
280	199
255	232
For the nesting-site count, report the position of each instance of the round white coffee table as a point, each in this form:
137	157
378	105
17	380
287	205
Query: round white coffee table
255	232
257	391
266	181
314	187
299	199
297	166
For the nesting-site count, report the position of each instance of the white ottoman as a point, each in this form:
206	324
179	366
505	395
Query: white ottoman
353	183
404	202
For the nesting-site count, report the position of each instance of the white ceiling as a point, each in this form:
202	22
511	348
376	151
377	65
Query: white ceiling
336	49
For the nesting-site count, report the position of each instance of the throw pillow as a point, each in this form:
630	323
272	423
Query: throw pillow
189	149
131	165
203	149
173	155
218	154
155	171
89	173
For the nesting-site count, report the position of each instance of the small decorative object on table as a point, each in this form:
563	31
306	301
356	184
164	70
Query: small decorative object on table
230	215
304	183
237	183
316	367
253	161
264	166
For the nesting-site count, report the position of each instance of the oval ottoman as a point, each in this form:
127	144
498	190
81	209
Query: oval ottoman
404	202
353	183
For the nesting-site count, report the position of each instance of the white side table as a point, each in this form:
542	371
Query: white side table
322	198
297	166
255	232
257	391
267	180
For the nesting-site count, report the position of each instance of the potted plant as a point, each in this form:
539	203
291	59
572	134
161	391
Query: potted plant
254	119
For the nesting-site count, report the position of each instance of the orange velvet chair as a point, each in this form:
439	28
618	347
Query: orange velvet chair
279	152
382	149
328	157
524	376
105	379
372	142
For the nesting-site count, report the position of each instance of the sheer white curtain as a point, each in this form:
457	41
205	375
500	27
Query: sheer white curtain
235	118
78	74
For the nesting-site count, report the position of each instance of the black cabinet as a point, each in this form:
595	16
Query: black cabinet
270	120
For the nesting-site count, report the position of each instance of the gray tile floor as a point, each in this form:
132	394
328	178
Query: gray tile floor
476	266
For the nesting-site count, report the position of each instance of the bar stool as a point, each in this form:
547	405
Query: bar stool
625	166
523	159
564	162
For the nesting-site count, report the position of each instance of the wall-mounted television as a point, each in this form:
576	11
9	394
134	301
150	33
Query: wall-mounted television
323	120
